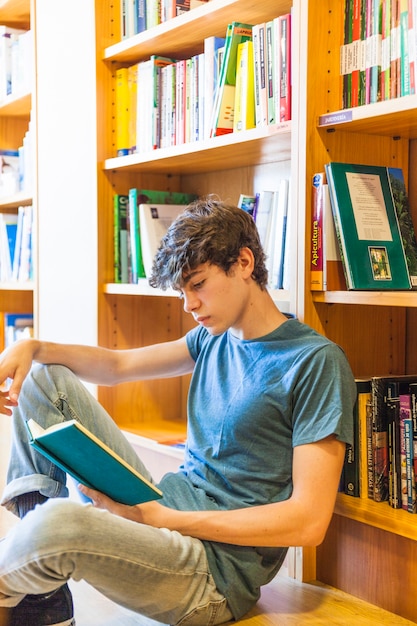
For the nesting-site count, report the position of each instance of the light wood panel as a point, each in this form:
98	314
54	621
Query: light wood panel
372	564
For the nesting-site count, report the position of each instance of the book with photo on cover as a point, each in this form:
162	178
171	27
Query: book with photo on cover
367	227
72	447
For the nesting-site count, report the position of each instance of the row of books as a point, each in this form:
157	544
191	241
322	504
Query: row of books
378	58
16	62
17	167
381	464
139	15
17	326
141	218
362	234
270	212
238	82
16	245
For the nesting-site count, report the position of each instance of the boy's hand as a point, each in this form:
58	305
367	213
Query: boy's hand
150	513
15	363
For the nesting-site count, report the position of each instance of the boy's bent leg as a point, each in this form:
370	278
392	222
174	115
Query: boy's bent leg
52	394
155	572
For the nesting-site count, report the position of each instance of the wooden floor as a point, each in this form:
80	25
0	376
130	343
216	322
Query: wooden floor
285	602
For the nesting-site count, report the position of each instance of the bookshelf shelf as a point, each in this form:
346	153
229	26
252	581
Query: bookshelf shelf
16	106
374	298
15	13
258	145
19	199
144	289
16	298
17	287
178	36
392	118
377	514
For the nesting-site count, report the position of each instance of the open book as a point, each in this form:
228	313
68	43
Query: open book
81	454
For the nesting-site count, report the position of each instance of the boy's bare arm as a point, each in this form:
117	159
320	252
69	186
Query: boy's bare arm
92	364
302	520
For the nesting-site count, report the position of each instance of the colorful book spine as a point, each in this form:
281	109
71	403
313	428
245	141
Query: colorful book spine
285	67
138	270
212	53
121	255
408	481
122	112
326	269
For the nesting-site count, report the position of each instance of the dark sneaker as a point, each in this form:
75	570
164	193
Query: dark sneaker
53	609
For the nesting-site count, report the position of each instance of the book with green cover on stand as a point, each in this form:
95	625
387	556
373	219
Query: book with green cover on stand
367	227
72	447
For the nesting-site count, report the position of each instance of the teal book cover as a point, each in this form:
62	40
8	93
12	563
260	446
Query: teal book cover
367	227
81	454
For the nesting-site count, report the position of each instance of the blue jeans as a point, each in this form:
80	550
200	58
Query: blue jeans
155	572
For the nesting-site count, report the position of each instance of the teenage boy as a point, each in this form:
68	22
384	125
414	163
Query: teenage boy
269	413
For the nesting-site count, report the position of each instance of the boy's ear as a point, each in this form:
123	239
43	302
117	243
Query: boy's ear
246	261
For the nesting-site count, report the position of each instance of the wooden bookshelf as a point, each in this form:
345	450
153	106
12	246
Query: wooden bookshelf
224	165
376	329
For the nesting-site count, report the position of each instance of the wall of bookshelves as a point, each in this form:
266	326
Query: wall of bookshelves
15	113
227	165
375	329
82	303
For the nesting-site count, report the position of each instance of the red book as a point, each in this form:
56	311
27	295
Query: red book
284	37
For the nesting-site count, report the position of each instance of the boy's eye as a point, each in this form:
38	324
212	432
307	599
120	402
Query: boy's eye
198	285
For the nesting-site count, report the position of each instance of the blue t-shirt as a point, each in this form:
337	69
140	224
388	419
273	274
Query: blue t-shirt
250	402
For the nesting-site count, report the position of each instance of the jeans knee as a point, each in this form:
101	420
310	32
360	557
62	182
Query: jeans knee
56	524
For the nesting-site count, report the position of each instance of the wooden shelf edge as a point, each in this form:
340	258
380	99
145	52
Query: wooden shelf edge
15	13
377	514
144	289
141	289
371	298
16	286
176	37
19	199
395	117
267	144
16	106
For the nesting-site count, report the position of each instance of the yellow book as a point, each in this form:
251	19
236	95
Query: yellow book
122	112
244	115
132	80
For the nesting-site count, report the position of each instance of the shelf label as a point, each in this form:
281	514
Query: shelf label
335	118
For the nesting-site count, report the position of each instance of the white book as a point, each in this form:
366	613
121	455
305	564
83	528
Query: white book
279	235
154	220
8	226
263	217
7	37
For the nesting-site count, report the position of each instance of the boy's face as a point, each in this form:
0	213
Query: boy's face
216	300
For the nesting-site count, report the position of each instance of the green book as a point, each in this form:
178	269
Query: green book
121	254
138	270
367	227
156	196
224	102
81	454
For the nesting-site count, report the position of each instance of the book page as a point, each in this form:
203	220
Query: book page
368	205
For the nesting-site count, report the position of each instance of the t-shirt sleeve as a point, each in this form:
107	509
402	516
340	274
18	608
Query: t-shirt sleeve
195	339
324	398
